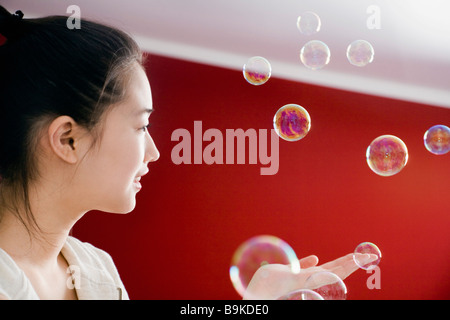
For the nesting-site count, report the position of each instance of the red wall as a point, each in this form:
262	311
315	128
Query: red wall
324	200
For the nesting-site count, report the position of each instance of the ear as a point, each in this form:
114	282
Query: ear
63	138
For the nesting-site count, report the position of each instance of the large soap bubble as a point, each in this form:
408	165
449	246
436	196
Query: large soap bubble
387	155
257	252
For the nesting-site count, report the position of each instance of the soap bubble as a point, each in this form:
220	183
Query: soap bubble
360	53
256	252
315	54
387	155
328	285
302	294
437	139
362	255
257	70
308	23
292	122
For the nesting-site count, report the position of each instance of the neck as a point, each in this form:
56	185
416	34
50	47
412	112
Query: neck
41	246
28	246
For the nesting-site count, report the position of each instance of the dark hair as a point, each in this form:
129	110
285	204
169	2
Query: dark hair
48	70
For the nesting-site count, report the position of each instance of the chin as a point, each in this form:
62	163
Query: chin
122	207
127	209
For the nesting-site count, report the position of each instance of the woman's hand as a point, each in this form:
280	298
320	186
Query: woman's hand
273	281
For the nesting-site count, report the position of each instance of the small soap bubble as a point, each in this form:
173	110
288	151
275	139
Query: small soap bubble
308	23
437	139
328	285
257	70
387	155
315	55
257	252
360	53
292	122
302	294
367	255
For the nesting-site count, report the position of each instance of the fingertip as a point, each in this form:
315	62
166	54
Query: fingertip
309	261
315	259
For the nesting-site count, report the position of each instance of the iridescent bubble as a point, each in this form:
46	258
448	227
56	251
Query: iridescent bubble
387	155
308	23
328	285
302	294
360	53
256	252
362	255
257	70
292	122
315	54
437	139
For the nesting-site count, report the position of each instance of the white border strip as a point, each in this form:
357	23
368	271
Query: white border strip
296	72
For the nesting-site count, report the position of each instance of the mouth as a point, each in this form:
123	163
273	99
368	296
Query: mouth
137	180
137	183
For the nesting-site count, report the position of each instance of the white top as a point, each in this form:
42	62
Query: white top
91	272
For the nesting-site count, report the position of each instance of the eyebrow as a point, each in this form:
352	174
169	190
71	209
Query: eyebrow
145	110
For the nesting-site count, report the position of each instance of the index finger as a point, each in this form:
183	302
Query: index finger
346	265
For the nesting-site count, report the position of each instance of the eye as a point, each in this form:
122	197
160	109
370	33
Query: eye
145	128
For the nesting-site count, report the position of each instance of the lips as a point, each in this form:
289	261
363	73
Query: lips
137	180
137	184
141	174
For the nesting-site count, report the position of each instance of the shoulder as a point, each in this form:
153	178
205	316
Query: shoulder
98	274
89	254
13	282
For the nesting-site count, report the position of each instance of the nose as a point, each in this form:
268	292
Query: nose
151	152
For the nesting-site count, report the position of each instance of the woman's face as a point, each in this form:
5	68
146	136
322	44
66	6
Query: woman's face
113	169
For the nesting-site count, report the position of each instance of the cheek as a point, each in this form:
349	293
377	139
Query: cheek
134	154
120	159
131	162
127	160
114	177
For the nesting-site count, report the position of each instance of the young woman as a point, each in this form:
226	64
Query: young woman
74	108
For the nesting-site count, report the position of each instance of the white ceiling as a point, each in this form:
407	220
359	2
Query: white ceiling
412	46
